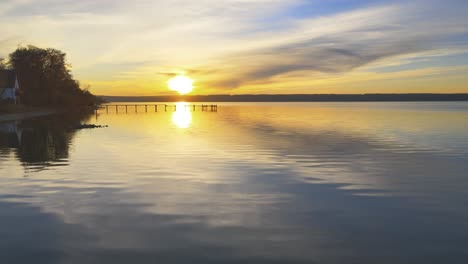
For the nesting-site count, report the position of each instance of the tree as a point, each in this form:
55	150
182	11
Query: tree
3	64
45	79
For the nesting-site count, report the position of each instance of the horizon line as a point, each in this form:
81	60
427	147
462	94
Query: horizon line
296	97
266	94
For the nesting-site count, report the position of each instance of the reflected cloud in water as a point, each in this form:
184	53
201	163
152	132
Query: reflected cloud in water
263	183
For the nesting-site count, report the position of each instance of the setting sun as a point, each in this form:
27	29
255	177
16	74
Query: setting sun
181	84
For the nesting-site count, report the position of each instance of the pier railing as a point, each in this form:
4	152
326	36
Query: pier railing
125	108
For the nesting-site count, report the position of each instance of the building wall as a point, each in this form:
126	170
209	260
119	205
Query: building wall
9	94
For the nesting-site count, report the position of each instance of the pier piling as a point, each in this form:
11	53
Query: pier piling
186	107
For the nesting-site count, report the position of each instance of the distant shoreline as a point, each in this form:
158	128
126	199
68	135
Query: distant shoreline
420	97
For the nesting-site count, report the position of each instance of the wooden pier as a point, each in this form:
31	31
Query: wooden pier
126	108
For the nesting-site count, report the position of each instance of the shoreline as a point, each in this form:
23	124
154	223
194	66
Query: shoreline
25	115
419	97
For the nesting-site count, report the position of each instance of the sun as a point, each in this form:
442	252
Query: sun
181	84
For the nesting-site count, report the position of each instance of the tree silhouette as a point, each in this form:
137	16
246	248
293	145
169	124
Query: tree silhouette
45	79
3	64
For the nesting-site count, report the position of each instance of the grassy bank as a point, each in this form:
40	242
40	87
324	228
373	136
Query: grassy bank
10	111
25	114
8	108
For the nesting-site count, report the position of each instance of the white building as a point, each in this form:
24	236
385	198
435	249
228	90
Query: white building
9	86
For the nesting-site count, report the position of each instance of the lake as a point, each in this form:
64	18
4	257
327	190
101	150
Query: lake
250	183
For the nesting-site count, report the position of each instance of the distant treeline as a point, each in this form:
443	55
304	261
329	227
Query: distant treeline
45	79
294	98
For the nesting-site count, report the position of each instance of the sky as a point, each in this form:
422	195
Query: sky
123	47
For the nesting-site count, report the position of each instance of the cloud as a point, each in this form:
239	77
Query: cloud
344	42
228	44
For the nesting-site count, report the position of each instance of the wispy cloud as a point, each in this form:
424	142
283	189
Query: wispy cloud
344	42
232	44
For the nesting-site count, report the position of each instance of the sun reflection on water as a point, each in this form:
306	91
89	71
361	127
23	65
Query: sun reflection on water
182	117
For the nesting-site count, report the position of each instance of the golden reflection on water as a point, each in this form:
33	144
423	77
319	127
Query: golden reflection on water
246	168
182	117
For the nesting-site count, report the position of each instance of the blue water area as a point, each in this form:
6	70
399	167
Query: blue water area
248	183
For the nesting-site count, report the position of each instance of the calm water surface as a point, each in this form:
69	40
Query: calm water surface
251	183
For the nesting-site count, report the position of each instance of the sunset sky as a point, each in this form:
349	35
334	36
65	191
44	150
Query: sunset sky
250	46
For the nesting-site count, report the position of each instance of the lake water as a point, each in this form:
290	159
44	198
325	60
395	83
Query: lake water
250	183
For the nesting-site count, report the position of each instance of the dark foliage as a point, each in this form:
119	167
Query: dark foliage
45	79
3	64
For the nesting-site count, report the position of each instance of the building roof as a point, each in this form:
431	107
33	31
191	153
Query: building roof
7	79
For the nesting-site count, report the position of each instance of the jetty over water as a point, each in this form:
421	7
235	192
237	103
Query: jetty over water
126	108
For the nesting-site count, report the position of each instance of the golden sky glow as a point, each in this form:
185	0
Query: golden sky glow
231	47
